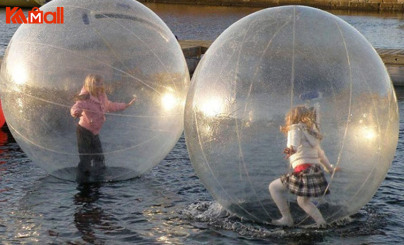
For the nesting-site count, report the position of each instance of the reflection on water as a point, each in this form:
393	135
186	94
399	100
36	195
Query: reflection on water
88	215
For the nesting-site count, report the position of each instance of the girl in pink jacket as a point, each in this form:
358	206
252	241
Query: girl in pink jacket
91	105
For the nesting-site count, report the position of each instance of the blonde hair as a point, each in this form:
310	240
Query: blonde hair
302	114
89	83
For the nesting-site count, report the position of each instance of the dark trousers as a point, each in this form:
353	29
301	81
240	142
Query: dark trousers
90	150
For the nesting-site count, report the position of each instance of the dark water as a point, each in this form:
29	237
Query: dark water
383	30
169	205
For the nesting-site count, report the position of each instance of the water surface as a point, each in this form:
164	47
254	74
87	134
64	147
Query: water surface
169	205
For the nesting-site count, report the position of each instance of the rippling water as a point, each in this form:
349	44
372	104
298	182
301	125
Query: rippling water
383	30
169	204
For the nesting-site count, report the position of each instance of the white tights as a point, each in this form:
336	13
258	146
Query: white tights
277	190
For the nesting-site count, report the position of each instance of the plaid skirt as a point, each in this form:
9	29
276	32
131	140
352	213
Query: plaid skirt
310	182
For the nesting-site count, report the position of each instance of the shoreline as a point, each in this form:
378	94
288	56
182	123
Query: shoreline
351	5
357	5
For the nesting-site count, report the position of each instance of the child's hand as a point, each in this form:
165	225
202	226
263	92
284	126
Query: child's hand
288	151
334	169
76	114
131	102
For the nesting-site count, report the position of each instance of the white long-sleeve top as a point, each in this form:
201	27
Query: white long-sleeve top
307	147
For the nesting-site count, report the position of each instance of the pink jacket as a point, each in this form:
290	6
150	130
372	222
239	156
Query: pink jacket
92	111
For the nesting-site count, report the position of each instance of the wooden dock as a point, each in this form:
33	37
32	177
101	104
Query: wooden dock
392	58
194	48
394	61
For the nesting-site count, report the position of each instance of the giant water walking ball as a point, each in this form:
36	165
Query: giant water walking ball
258	69
131	48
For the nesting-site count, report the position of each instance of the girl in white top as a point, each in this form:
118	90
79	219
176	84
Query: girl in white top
305	155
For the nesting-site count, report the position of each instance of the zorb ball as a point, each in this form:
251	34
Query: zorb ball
253	74
45	66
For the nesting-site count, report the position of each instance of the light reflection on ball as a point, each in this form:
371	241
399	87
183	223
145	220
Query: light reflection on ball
137	55
253	74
